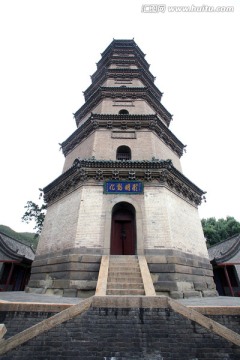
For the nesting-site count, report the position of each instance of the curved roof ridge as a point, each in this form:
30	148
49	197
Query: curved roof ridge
225	250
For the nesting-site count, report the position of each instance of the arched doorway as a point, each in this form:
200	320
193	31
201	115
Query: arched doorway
123	230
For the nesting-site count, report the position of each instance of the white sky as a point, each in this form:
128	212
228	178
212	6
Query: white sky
49	49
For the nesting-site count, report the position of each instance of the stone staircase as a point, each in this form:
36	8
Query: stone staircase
124	276
119	275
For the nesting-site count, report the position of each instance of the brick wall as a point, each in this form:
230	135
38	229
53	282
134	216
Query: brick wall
78	220
181	275
109	106
60	225
91	222
116	333
80	223
171	222
101	145
67	274
84	150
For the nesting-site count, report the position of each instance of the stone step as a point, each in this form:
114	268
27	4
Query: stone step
124	286
122	264
125	280
125	292
124	271
123	257
124	276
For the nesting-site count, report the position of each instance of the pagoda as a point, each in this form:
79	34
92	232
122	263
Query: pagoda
122	190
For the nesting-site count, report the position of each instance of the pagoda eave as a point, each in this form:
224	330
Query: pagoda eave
123	122
123	93
152	173
127	51
122	74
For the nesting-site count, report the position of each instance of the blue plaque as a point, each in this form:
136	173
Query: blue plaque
123	187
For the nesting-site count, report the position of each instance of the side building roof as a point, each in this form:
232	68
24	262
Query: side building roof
226	252
12	249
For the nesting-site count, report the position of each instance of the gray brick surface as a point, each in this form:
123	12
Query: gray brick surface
105	333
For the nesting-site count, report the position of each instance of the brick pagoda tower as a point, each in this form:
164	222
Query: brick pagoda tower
122	190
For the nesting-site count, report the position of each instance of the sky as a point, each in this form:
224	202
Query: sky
49	49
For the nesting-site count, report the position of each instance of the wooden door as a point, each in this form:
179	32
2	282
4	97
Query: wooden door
123	233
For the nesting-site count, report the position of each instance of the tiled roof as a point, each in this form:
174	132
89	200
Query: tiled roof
227	251
15	249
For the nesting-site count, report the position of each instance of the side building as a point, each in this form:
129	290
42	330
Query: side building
225	259
15	263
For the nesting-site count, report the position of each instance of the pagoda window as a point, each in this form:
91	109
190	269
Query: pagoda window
123	112
123	153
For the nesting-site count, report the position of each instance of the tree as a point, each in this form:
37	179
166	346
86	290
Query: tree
219	230
35	212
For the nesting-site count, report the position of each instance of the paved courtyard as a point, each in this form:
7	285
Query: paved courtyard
21	296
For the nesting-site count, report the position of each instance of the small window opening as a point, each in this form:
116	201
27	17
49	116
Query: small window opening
123	153
123	112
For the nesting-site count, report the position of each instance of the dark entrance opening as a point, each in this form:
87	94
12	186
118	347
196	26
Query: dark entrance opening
123	232
123	111
123	153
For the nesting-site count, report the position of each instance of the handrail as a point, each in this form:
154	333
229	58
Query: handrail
146	276
204	321
45	325
101	289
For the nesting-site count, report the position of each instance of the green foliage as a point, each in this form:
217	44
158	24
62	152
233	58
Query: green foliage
219	230
24	237
35	212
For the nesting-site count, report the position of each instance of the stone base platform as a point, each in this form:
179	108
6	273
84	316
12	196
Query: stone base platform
119	328
180	275
73	274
